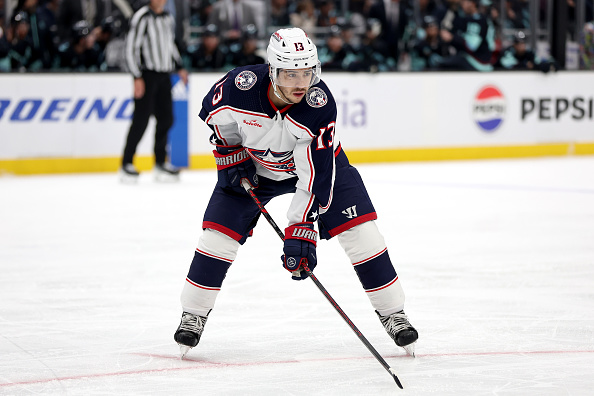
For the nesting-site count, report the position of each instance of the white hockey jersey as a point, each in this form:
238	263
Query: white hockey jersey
297	141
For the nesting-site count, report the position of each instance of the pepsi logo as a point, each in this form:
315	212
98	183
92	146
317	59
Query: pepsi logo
488	108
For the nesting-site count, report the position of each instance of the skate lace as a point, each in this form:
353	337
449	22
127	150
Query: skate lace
191	322
395	323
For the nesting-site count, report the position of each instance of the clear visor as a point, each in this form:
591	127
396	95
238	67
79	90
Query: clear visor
296	78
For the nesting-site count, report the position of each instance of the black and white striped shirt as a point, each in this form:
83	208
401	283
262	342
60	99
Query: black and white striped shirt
150	43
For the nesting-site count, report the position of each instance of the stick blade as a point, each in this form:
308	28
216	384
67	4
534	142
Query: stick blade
391	370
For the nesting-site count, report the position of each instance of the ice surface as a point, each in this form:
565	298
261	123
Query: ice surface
496	258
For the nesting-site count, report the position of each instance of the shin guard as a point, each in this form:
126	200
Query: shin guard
212	259
366	248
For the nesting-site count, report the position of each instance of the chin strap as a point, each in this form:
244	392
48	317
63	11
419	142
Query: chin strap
278	95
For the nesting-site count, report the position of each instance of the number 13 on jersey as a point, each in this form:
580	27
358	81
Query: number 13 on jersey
326	137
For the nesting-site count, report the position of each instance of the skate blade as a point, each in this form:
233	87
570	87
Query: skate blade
183	350
166	178
410	349
128	179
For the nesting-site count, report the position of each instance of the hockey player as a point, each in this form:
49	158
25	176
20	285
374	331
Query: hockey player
274	125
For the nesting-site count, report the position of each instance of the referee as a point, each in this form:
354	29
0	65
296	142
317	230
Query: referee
151	55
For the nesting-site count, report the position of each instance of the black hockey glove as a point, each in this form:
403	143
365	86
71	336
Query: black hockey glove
300	248
234	164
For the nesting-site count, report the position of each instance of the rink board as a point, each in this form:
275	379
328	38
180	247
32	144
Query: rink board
78	123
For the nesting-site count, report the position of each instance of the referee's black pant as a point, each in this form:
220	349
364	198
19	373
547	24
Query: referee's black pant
156	101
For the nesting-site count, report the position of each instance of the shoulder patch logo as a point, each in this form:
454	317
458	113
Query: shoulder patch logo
316	97
245	80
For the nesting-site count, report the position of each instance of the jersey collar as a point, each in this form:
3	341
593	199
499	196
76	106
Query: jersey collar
283	110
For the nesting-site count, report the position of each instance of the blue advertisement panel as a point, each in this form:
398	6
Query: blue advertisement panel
178	135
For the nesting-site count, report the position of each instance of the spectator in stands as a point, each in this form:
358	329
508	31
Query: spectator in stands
304	17
352	41
473	41
517	14
393	15
427	8
229	16
449	15
80	54
41	34
4	50
21	49
110	39
279	13
374	54
199	12
326	13
180	11
587	47
73	11
518	57
104	32
211	55
333	54
48	12
2	16
429	52
356	6
247	54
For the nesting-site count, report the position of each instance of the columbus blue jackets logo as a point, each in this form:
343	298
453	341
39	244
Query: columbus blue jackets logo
245	80
274	161
316	97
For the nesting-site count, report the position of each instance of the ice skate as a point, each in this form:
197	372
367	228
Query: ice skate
129	174
166	173
189	331
400	330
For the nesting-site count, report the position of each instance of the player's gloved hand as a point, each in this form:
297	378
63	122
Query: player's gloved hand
300	248
234	164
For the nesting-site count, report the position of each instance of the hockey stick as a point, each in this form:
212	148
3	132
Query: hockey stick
250	190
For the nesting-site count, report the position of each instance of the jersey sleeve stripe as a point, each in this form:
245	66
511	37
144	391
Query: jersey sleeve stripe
308	208
219	135
329	199
338	150
312	171
235	110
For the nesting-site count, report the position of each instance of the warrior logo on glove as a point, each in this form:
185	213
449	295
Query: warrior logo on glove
300	249
292	263
234	164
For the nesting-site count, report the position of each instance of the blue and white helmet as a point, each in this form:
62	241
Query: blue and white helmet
292	49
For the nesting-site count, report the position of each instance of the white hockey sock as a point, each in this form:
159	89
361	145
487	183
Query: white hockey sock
200	299
196	300
362	242
388	300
